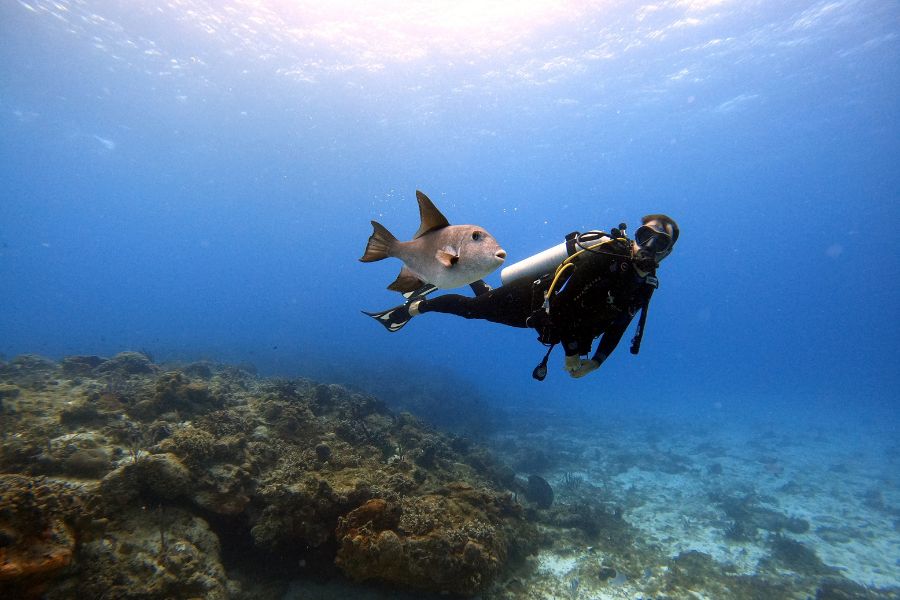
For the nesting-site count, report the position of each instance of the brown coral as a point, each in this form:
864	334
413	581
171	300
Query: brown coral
447	542
36	541
307	472
39	556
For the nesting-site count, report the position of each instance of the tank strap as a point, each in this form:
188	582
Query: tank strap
571	240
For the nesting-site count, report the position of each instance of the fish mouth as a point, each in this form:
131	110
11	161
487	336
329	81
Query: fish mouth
500	254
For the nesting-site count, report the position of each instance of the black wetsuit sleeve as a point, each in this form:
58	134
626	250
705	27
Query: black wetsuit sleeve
611	337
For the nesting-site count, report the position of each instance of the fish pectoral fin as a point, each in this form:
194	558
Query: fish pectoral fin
406	281
429	214
447	257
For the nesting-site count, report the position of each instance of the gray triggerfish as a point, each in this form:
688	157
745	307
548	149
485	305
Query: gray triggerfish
443	255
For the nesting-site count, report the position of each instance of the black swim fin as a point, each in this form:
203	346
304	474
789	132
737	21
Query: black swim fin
419	293
480	287
393	319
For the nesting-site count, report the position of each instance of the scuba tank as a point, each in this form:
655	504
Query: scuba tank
548	260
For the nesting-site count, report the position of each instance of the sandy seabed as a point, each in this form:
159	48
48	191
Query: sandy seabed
744	511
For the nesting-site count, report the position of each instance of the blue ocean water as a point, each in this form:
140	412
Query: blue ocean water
196	179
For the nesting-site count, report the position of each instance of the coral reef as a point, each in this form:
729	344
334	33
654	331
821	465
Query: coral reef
36	531
450	541
162	552
124	476
539	491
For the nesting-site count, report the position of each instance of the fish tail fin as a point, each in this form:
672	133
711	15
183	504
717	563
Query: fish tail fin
380	243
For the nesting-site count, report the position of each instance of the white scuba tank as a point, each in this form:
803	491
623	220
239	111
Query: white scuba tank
547	260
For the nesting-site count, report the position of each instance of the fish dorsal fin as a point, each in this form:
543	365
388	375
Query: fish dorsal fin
431	217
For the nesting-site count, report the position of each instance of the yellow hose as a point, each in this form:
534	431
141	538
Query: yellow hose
564	266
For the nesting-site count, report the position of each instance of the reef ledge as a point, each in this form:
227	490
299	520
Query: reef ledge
123	478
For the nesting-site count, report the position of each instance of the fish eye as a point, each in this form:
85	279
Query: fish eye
476	235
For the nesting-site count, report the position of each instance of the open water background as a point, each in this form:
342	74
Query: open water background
196	179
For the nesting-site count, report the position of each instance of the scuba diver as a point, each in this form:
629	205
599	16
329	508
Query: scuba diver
591	286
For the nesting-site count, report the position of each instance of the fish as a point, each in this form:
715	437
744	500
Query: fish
440	254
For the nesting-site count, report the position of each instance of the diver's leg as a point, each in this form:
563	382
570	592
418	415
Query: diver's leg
508	304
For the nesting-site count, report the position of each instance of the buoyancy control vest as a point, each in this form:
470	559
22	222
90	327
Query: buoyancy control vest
555	264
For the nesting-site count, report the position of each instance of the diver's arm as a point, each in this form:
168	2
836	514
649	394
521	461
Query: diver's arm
577	367
611	338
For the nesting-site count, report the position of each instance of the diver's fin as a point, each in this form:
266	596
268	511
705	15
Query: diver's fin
431	217
446	258
419	293
393	319
480	287
380	243
406	281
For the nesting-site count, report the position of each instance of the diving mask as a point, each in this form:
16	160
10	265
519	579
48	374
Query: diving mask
653	240
653	246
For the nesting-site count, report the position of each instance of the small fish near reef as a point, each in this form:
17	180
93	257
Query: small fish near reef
440	254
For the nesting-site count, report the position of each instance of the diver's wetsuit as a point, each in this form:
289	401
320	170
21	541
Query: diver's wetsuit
599	297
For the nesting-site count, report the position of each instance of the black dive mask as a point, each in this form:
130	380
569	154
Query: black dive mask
653	240
653	246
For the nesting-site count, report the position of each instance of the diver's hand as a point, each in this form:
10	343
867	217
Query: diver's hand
573	363
587	366
578	367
